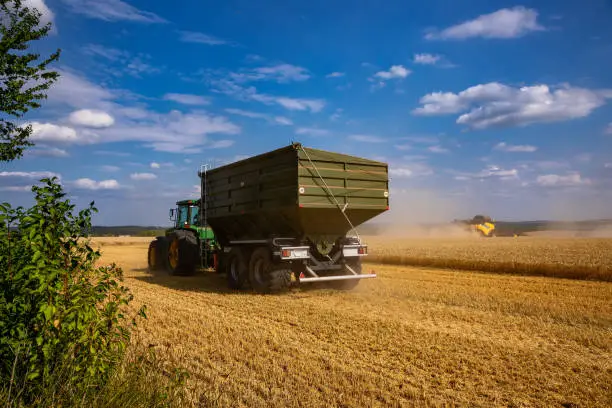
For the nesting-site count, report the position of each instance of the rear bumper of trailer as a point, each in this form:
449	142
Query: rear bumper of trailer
313	277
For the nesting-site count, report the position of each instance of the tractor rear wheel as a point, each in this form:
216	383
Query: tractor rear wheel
237	272
157	254
183	253
265	276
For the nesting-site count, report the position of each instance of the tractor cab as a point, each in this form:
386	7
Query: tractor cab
185	215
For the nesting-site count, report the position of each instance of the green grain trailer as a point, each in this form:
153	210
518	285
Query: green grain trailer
287	217
284	216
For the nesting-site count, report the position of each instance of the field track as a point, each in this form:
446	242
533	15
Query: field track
411	337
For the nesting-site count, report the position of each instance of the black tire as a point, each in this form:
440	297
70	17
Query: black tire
236	269
157	254
354	264
266	276
183	253
152	254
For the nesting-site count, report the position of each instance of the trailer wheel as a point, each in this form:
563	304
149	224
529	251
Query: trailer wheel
183	253
354	264
236	269
265	276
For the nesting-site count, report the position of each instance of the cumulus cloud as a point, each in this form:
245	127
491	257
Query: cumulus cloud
312	131
504	23
335	75
556	180
112	10
91	118
155	165
504	147
495	104
89	184
47	132
143	176
201	38
278	120
367	138
187	99
396	71
426	59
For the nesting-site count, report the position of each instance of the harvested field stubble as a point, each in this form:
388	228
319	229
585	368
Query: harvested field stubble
574	258
411	337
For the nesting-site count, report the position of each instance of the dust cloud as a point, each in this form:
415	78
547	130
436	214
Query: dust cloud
417	213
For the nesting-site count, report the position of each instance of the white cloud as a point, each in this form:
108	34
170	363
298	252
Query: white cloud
410	167
556	180
504	147
143	176
125	62
396	71
608	130
281	73
314	105
47	16
47	151
48	132
187	99
112	10
367	138
312	131
201	38
91	118
495	104
77	91
335	75
438	149
426	59
110	169
504	23
89	184
155	165
278	120
18	189
281	120
491	171
30	174
220	144
109	53
400	172
231	88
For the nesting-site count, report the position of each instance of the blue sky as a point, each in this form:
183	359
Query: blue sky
489	107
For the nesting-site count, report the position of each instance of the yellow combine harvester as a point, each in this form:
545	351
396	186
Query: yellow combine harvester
480	224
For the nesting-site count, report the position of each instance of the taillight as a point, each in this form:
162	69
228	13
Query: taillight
362	250
286	253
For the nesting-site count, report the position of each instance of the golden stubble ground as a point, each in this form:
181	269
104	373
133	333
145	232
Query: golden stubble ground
411	337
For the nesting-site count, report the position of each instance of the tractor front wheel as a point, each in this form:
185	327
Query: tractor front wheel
183	253
156	256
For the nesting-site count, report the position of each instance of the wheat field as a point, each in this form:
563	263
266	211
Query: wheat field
410	337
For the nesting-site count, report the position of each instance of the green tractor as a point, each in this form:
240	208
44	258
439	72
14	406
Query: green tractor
187	246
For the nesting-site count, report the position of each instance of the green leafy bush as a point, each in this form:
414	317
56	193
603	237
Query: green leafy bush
61	315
